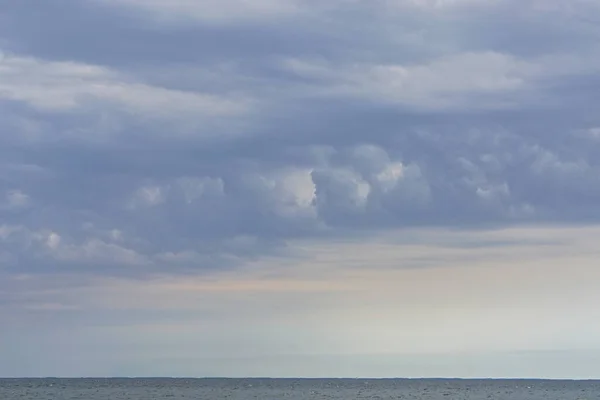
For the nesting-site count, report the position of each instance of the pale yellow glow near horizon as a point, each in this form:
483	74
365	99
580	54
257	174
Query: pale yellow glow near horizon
406	292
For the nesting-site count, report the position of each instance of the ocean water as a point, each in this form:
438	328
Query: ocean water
292	389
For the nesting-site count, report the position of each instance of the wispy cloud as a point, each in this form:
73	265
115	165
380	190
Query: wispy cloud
67	86
211	11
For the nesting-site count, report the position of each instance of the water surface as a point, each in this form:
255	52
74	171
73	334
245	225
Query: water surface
292	389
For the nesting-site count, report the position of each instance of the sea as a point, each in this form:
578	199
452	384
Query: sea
293	389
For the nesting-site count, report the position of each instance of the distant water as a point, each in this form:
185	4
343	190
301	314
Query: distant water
293	389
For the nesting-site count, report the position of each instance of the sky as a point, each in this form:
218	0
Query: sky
300	188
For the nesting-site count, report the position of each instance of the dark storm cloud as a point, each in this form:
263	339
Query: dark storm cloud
189	137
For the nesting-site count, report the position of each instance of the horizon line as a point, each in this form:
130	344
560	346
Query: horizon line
301	378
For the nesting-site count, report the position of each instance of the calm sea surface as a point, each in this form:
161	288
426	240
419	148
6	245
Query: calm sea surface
159	388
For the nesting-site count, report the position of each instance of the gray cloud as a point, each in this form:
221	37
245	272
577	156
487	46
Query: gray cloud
194	141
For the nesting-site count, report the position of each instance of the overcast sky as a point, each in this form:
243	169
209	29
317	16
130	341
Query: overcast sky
300	188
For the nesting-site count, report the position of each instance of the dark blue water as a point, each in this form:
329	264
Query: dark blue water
293	389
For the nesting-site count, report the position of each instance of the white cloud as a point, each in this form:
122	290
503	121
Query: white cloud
486	189
592	133
291	191
71	86
340	190
298	185
443	4
195	188
7	230
49	243
548	163
16	199
150	195
367	182
210	11
390	175
444	83
471	80
97	251
53	240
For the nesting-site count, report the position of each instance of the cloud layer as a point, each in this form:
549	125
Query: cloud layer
192	132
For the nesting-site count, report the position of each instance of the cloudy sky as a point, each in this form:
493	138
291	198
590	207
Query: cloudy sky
300	188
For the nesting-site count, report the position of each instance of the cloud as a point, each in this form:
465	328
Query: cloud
162	149
446	83
211	11
66	86
15	200
474	81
